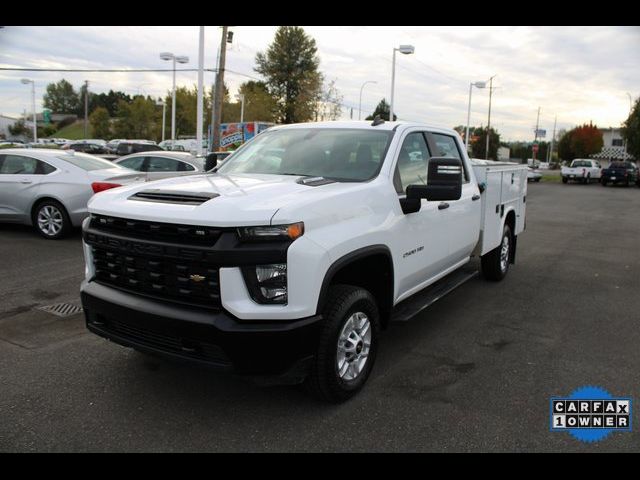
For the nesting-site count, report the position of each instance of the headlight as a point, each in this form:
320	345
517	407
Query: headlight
267	283
270	233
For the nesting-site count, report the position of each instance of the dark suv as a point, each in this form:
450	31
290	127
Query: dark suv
126	148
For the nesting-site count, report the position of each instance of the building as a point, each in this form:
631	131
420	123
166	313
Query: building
5	123
613	147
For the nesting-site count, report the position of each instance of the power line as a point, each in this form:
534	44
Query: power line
120	70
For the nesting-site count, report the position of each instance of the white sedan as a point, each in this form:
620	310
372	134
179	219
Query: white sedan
533	175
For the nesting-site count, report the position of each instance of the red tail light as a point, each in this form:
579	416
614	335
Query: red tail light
102	186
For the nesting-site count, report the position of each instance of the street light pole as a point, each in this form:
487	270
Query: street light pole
360	103
164	112
535	139
486	154
26	81
406	50
200	107
180	59
241	98
86	108
466	136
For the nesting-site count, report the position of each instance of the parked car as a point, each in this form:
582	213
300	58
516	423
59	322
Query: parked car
544	166
625	173
126	147
533	175
582	170
112	145
86	146
49	189
293	266
158	165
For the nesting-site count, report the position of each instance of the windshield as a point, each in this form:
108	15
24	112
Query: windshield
580	163
351	155
88	162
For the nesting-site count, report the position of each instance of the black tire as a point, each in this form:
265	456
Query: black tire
324	380
565	180
603	182
60	224
493	268
587	179
537	180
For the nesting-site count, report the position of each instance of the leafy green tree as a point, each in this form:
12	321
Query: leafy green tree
100	123
290	67
383	109
478	142
61	97
631	131
259	105
19	128
137	120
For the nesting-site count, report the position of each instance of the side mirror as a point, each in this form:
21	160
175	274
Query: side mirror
211	160
444	178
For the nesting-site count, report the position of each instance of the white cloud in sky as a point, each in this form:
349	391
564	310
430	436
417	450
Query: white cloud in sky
580	74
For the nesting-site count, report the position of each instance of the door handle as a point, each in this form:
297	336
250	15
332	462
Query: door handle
475	197
25	180
443	205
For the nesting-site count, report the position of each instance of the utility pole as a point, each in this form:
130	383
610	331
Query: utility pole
486	154
86	108
219	92
200	106
553	137
535	139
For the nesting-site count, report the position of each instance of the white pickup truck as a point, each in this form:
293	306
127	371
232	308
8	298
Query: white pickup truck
582	170
289	259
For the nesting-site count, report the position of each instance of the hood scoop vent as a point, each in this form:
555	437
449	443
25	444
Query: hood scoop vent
315	181
172	196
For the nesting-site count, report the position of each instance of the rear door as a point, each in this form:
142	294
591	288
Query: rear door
462	217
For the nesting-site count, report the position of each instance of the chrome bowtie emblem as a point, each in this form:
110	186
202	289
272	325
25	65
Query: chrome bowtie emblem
196	278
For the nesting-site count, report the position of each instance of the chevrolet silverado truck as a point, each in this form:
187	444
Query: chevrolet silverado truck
288	261
581	170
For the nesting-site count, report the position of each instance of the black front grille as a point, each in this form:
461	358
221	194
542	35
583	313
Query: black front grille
163	339
157	231
185	277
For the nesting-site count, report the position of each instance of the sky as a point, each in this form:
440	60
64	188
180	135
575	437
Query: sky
579	74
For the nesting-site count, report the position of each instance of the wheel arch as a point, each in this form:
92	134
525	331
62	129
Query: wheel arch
39	200
370	268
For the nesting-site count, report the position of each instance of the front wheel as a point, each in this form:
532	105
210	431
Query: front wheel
565	180
495	264
603	182
348	344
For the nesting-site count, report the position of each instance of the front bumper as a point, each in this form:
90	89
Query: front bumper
213	339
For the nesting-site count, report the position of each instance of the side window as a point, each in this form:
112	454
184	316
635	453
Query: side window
413	159
162	164
17	164
185	167
446	146
133	163
45	169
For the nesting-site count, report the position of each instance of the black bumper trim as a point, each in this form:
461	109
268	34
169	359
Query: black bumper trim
215	339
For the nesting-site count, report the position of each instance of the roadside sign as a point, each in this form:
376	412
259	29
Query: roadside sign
541	133
535	148
46	115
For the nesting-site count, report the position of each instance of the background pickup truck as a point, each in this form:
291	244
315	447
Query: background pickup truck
625	173
581	170
304	244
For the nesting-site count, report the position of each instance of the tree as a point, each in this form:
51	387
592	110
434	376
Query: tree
259	105
330	106
290	67
100	123
580	142
631	131
61	97
383	109
137	120
20	128
478	142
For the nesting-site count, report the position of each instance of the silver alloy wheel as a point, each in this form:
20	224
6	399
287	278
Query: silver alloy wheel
354	344
50	220
504	254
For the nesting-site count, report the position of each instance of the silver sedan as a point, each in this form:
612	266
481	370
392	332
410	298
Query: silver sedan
49	189
157	165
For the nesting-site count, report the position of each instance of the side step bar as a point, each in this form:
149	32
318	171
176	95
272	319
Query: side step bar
413	305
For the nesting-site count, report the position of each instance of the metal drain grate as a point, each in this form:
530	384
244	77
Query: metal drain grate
61	309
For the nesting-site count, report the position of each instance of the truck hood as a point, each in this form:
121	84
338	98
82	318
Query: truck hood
240	199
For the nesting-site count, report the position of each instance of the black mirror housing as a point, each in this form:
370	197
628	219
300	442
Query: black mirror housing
211	160
444	178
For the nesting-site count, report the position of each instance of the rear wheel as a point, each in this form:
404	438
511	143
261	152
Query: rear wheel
51	220
495	264
348	344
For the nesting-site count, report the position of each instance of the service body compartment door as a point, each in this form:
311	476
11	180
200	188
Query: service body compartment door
491	220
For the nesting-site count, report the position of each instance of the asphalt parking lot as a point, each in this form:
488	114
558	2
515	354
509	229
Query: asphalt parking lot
474	372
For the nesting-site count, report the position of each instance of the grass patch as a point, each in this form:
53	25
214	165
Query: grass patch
551	178
75	131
